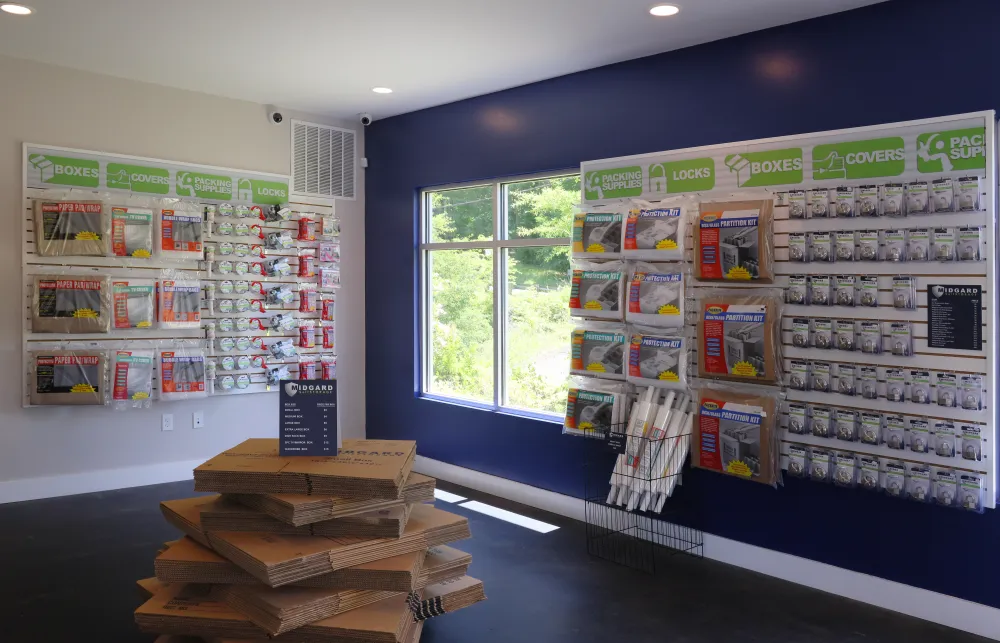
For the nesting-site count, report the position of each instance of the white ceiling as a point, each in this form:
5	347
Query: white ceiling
324	56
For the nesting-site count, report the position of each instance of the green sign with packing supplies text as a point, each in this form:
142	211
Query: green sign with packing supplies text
53	167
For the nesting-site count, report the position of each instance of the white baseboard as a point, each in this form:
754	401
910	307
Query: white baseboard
90	481
905	599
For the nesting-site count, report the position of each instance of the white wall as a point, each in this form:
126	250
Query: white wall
57	106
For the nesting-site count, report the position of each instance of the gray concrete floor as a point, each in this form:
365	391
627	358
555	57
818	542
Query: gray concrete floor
69	566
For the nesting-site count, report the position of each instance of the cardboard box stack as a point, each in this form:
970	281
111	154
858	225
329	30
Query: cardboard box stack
344	549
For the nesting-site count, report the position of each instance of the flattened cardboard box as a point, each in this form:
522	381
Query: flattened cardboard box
363	469
229	515
279	560
446	597
192	610
190	562
300	509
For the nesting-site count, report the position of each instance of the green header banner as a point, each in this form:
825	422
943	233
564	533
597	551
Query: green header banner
775	167
54	167
869	159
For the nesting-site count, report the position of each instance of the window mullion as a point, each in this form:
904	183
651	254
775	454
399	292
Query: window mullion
499	287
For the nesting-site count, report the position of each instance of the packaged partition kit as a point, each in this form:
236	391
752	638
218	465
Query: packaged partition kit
734	241
739	335
735	432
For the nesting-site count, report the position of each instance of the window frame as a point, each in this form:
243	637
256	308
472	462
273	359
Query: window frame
499	244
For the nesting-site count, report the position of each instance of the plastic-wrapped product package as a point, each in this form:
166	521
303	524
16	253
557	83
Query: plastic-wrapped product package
822	421
945	487
820	290
943	244
283	323
329	252
182	373
918	197
971	491
972	442
799	376
733	241
329	277
844	290
281	240
843	335
329	331
847	380
307	298
798	247
67	376
307	367
328	308
307	263
868	477
597	233
868	291
893	200
736	431
895	479
656	295
797	291
797	205
945	439
180	304
846	425
798	419
277	267
598	350
821	247
943	195
818	203
845	473
895	385
798	461
279	296
920	387
970	392
918	482
920	435
821	464
132	229
133	303
594	406
659	360
918	244
132	378
739	334
328	367
871	426
868	245
307	334
307	228
68	227
845	245
71	304
656	231
970	244
180	230
947	389
822	333
597	290
331	226
868	201
283	349
967	194
820	372
845	201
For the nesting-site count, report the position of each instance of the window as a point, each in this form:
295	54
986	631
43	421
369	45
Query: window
495	292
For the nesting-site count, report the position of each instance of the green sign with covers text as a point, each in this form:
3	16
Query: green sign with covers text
868	159
63	170
952	150
690	175
773	167
138	178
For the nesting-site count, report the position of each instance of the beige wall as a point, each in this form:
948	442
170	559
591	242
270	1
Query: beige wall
57	106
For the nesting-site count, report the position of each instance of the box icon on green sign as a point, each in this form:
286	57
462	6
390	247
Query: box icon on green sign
613	184
952	150
859	159
138	178
774	167
63	170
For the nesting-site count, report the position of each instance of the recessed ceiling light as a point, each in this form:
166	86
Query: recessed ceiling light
16	9
662	10
381	90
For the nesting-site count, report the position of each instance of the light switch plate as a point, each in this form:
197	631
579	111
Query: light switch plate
168	422
198	420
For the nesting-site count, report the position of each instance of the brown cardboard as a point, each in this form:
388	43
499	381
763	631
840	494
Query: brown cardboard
185	514
228	515
449	596
765	236
39	392
768	453
43	316
190	562
363	469
149	587
771	350
52	218
301	509
279	560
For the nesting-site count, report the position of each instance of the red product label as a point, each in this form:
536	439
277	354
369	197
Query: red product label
709	445
307	370
307	337
120	390
329	308
307	266
630	221
329	332
713	346
307	231
68	360
92	208
329	369
633	292
69	284
574	296
120	305
710	260
307	301
118	235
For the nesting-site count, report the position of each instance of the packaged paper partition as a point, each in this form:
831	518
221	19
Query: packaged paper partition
71	304
131	232
363	469
735	433
278	560
70	228
134	303
298	509
733	241
67	377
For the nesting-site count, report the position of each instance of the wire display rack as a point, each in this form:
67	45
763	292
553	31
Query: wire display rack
627	508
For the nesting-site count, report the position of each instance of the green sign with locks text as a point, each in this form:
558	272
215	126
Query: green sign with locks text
773	167
263	192
138	178
690	175
868	159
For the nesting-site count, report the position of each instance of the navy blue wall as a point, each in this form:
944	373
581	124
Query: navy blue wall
875	65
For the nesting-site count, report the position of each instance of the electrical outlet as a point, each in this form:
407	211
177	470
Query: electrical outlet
198	420
168	422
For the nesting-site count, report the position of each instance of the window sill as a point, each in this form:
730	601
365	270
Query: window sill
550	418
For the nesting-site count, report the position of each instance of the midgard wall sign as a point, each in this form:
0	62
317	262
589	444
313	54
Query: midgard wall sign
51	167
900	152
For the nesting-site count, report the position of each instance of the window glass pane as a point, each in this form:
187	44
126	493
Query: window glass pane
460	320
465	214
543	208
538	328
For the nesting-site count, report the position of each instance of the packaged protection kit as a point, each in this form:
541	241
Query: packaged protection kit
656	231
597	232
596	290
657	359
594	406
598	350
656	295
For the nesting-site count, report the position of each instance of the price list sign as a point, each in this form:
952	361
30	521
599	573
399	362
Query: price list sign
308	418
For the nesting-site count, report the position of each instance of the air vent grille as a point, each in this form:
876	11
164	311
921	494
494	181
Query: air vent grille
322	160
